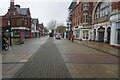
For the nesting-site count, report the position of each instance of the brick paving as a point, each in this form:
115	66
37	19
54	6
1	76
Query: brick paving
18	55
46	63
88	62
101	46
90	58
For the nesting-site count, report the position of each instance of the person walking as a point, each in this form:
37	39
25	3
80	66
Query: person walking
69	37
72	38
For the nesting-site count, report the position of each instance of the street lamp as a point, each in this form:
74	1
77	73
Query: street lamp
10	28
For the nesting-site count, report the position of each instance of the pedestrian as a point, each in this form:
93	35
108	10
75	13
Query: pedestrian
69	37
72	38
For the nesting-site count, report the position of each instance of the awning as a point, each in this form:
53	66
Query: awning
20	28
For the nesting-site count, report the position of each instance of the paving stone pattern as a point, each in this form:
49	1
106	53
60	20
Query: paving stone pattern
46	63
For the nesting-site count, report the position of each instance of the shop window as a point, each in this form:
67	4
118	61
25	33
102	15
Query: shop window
16	33
27	33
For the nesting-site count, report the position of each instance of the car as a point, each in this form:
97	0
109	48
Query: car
51	35
58	36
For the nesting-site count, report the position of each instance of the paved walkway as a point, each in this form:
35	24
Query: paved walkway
46	63
87	62
51	58
101	46
18	55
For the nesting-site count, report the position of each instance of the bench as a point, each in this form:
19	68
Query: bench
19	41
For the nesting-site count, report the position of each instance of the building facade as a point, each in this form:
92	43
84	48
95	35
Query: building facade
20	21
69	21
101	26
115	24
41	29
97	21
35	28
106	22
81	20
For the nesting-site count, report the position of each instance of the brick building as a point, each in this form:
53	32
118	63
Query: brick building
81	20
61	29
69	21
35	27
20	21
41	29
97	21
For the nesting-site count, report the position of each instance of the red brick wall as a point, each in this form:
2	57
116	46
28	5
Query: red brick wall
77	15
19	18
115	5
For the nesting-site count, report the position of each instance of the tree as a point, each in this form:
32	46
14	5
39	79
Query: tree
52	25
60	24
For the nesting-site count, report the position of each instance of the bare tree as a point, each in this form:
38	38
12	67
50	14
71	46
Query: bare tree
60	24
52	25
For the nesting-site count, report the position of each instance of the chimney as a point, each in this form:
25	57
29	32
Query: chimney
11	3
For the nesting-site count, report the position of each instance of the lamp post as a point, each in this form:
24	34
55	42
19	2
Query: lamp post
10	28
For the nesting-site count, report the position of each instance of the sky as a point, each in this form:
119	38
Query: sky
44	10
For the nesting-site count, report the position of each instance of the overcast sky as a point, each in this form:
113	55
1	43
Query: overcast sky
44	10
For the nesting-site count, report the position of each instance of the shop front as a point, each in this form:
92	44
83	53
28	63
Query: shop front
21	32
76	33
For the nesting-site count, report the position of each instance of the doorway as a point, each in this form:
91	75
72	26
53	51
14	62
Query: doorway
108	34
101	32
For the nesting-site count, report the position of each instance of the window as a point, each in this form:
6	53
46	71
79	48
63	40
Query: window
22	22
15	22
103	9
85	6
14	13
16	33
118	30
8	23
85	18
118	41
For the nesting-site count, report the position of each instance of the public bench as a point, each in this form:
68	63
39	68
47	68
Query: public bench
19	41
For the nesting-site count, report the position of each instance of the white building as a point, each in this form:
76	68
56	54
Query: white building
101	26
115	29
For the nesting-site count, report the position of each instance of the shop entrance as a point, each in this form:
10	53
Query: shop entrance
101	32
94	34
108	34
76	34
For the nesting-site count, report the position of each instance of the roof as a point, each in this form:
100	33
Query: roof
71	5
22	11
